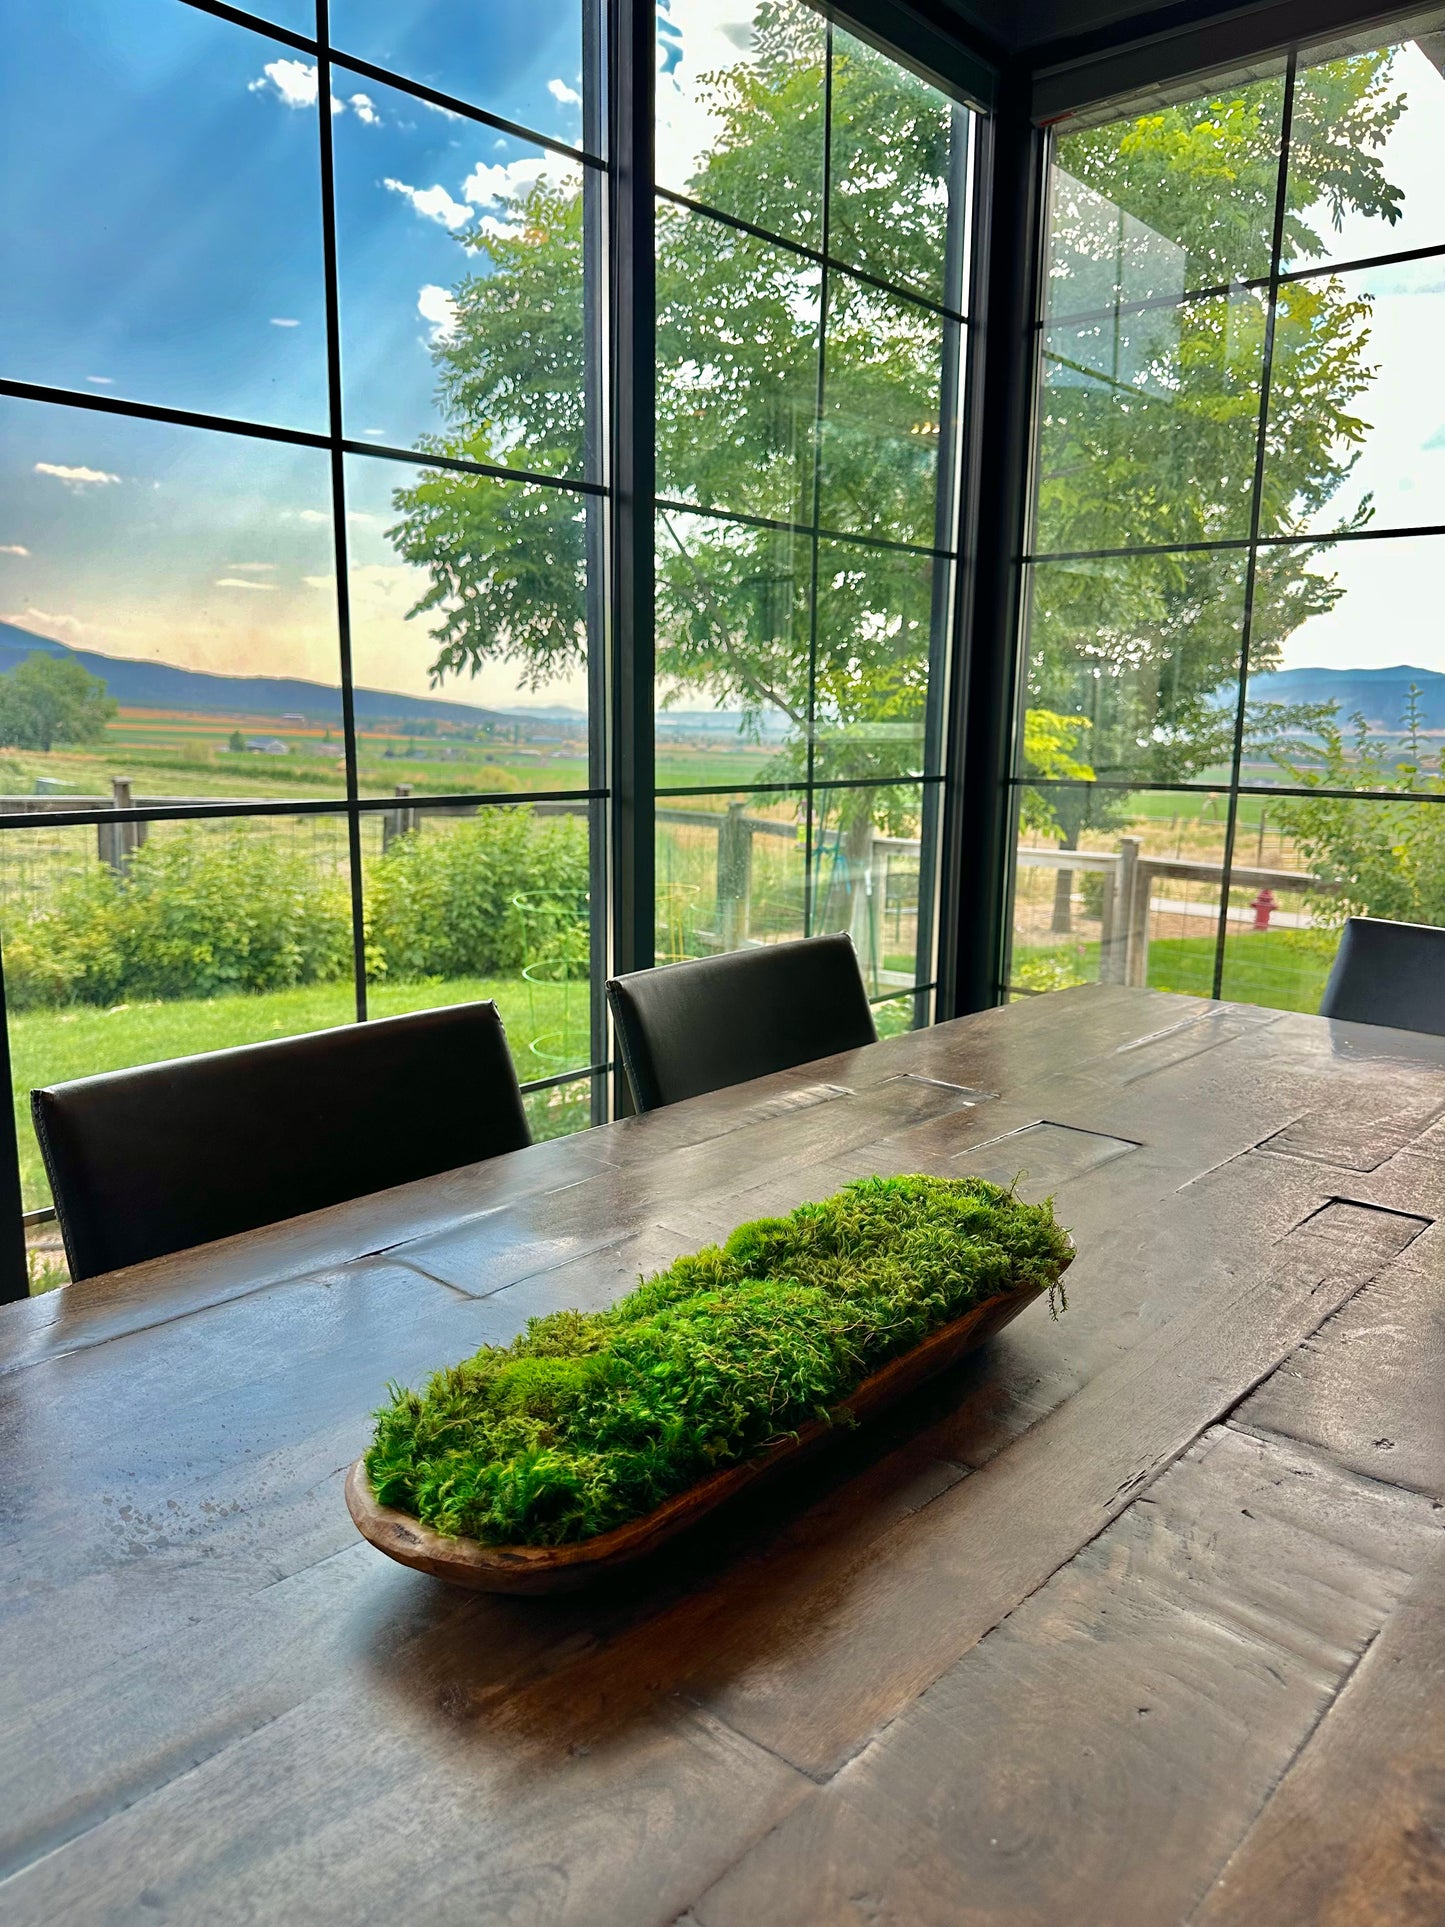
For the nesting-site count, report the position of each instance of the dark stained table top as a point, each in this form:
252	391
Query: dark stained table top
1134	1618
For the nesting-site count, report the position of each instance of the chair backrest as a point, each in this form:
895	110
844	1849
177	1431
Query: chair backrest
154	1160
699	1026
1388	973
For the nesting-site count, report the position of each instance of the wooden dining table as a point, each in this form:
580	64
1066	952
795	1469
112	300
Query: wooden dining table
1136	1616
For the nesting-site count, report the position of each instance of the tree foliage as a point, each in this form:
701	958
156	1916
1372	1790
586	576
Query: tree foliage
49	699
1147	436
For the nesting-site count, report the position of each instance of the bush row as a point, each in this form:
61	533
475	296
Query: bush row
199	912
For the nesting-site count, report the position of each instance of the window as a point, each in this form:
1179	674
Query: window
308	623
1239	464
811	265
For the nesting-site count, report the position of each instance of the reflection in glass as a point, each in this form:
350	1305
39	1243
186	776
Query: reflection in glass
1367	153
1133	666
868	856
192	573
733	674
1377	457
740	111
737	368
1167	202
1148	425
559	1110
523	63
1117	887
460	260
129	944
880	612
730	872
489	904
469	613
899	149
1336	858
161	225
883	432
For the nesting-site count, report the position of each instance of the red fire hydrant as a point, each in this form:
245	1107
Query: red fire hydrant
1263	904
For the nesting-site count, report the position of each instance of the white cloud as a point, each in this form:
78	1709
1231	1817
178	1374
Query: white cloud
295	84
75	477
67	629
13	548
313	515
490	184
283	321
374	433
562	93
240	582
435	305
101	381
363	106
251	568
433	202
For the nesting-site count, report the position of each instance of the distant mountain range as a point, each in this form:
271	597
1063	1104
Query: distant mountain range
1379	695
158	685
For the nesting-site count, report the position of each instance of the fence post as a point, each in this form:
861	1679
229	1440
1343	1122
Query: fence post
734	876
117	843
1111	946
1136	911
395	823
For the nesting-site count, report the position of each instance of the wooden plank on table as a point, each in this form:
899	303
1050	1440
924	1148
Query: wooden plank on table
1097	1757
1368	1387
810	1675
1366	1120
1355	1835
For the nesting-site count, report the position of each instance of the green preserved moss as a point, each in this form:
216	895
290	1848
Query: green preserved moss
591	1419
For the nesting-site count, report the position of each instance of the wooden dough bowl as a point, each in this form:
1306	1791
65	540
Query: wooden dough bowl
537	1569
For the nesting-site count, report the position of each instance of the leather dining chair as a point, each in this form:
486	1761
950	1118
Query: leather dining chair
699	1026
154	1160
1388	973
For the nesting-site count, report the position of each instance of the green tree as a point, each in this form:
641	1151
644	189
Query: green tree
236	742
49	699
1147	436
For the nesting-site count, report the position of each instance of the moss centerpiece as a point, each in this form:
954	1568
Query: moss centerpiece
590	1421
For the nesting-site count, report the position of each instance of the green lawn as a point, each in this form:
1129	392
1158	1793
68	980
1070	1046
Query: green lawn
1281	969
47	1046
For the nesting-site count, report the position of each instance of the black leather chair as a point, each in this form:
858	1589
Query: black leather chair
1388	973
699	1026
154	1160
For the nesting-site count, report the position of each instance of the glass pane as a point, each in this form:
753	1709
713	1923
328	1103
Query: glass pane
1363	445
1133	667
520	61
192	575
1367	156
740	98
1358	663
1148	426
883	425
1114	887
129	944
898	1014
1335	858
161	224
877	609
460	261
737	368
468	630
559	1110
732	652
730	872
867	860
898	144
1161	204
490	903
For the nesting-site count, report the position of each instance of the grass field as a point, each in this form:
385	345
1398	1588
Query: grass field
1281	969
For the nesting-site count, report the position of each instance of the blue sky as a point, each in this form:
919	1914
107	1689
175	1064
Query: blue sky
162	233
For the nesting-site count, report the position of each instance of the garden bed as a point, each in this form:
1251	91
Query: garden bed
594	1436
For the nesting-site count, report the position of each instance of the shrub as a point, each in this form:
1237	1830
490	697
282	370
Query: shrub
197	913
591	1419
441	903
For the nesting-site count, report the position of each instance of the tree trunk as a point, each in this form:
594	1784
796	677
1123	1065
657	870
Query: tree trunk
848	884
